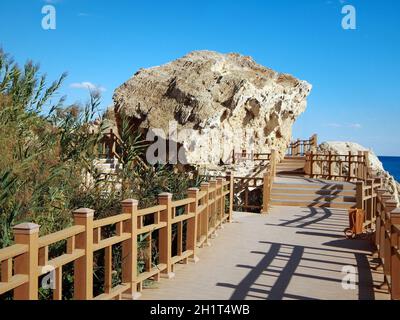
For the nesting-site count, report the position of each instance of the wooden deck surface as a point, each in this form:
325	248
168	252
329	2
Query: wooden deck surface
292	253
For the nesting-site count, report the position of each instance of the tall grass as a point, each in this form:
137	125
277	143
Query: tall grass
48	151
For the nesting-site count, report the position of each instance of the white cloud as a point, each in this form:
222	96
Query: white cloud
334	125
83	14
345	125
87	85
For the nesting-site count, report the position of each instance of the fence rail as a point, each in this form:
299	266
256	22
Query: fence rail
301	147
264	158
348	167
195	219
243	187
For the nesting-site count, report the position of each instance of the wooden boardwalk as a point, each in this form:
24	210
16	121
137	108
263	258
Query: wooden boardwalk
292	253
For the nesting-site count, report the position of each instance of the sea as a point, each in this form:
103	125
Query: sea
392	164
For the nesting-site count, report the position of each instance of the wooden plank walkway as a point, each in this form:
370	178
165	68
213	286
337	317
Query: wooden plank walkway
292	253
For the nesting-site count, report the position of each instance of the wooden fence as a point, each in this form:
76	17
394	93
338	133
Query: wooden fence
259	187
348	167
387	240
110	146
256	157
301	147
200	214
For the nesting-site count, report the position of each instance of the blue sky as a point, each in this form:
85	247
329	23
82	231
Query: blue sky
355	73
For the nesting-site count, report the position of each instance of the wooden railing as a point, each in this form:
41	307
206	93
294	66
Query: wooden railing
244	186
200	215
256	157
380	209
301	147
347	167
366	199
110	146
241	185
387	240
382	216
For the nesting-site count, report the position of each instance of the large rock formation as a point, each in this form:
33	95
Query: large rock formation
228	102
341	147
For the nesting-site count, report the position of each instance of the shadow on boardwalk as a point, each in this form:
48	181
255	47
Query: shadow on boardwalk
293	253
293	256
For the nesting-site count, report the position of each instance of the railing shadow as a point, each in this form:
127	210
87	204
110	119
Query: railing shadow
277	291
249	287
326	214
365	279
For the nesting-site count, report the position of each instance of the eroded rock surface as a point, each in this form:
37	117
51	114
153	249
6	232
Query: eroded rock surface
228	101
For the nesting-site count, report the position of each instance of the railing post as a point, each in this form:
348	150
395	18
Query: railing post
390	205
83	267
360	194
312	164
221	202
360	167
230	178
307	164
370	202
379	211
329	164
367	164
165	241
266	193
379	208
205	186
129	250
27	263
191	240
349	167
395	263
213	206
273	162
384	198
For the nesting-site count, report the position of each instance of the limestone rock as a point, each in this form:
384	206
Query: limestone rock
228	102
340	147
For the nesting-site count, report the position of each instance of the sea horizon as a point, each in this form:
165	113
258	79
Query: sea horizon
392	165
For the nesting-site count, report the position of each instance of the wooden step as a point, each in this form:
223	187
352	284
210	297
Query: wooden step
290	166
316	204
294	158
308	191
290	169
290	172
314	186
290	162
313	197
